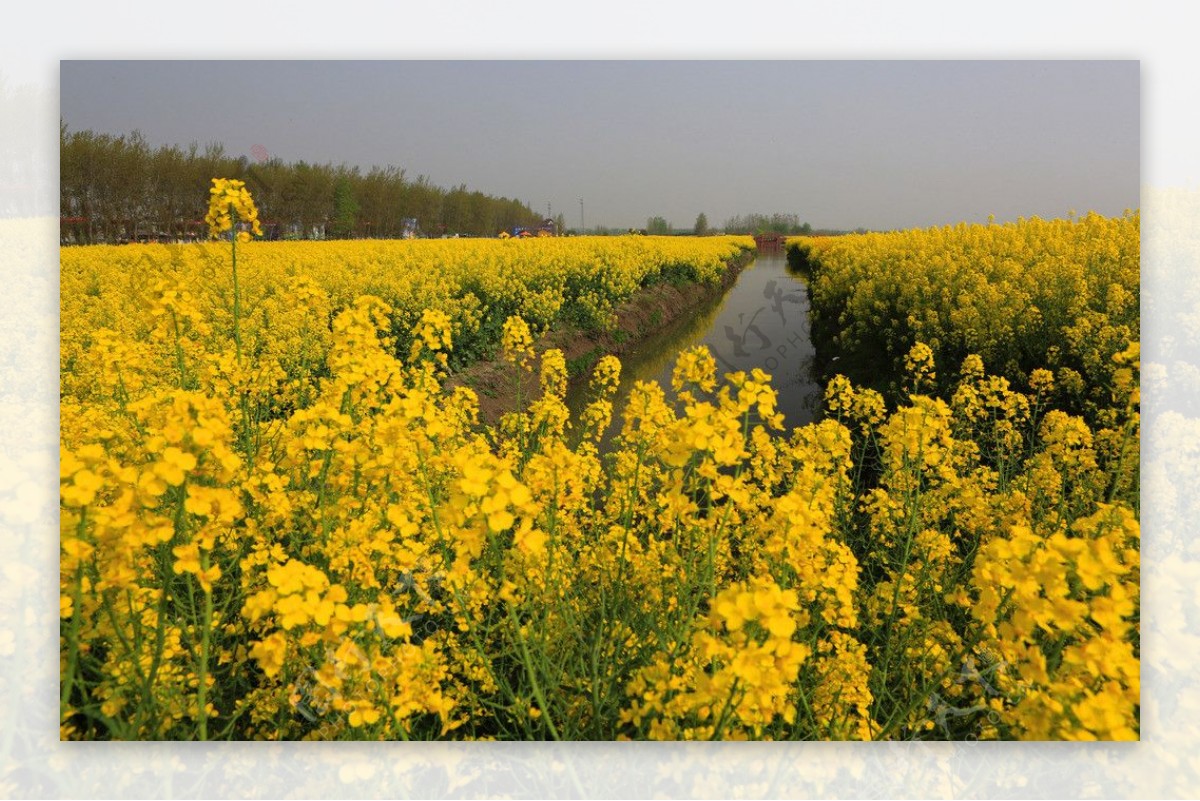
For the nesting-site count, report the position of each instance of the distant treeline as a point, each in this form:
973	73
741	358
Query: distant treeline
762	224
115	188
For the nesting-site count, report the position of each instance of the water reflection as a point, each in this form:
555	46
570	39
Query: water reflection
762	321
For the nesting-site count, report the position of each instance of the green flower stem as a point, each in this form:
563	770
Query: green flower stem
237	307
531	672
202	692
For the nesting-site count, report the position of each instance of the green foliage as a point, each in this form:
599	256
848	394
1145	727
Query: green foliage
762	223
584	362
658	226
345	209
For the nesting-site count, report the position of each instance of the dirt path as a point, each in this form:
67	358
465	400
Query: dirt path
643	314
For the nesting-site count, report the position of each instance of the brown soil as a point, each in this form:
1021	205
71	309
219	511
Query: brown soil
646	312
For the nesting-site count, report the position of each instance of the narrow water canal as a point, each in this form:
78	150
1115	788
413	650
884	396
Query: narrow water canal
761	321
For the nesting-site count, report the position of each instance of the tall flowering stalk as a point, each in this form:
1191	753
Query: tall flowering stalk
229	203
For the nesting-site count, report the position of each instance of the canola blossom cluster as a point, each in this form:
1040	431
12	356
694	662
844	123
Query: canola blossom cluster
317	538
229	203
289	292
1059	295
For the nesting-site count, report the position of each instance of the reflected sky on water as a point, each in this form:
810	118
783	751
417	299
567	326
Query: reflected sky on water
761	321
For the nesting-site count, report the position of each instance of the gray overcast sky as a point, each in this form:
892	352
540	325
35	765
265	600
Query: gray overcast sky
877	144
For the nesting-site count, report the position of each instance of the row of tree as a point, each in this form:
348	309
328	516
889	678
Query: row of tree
114	188
749	224
658	226
764	224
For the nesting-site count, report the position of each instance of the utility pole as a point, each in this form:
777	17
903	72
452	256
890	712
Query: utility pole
582	227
